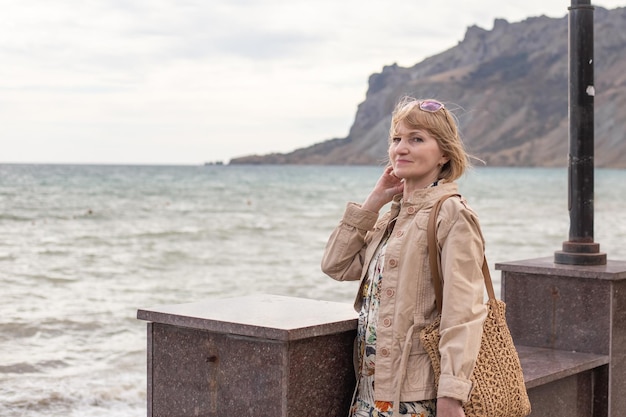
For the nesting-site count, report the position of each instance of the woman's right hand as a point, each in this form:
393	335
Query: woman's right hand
449	407
386	187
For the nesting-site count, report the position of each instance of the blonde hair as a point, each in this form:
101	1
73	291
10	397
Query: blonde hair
442	125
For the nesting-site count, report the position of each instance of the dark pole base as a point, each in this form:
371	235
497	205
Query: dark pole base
579	253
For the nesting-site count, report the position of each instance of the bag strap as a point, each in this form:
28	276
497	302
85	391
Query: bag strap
434	256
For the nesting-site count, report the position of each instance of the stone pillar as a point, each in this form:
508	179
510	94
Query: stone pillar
251	356
572	308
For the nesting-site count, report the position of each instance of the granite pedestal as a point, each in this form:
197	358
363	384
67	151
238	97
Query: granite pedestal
578	309
256	356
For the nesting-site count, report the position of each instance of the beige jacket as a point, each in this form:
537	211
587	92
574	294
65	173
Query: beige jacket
407	305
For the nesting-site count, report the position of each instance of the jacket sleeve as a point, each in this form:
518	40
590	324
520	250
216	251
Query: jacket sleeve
345	250
463	312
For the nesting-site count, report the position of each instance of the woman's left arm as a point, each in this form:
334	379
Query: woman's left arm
463	311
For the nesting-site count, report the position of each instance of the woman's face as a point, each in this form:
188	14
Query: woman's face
415	156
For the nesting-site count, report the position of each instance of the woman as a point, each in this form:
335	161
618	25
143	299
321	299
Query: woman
396	298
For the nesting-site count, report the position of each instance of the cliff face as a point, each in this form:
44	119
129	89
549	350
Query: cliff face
508	87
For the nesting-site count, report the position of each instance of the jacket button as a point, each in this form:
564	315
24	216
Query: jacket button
400	233
390	292
411	210
387	322
384	352
393	263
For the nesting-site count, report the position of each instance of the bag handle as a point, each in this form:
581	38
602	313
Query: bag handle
434	256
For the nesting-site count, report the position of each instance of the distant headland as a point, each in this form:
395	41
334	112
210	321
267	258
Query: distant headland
509	89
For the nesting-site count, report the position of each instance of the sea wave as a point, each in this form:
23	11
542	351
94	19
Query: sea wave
72	281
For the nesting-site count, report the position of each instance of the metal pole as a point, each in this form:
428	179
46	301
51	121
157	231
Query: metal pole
581	249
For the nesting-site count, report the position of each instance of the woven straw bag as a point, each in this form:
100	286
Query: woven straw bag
498	388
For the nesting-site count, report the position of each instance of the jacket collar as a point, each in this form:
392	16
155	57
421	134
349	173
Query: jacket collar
425	197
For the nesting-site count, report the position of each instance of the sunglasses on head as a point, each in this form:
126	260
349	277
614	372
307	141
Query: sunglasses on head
430	106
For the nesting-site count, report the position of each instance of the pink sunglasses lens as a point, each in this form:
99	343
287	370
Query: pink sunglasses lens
431	106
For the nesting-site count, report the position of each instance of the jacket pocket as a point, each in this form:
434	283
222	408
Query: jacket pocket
419	374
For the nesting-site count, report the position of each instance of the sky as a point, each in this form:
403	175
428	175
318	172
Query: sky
189	82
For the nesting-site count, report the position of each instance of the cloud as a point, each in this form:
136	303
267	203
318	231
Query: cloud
263	45
175	80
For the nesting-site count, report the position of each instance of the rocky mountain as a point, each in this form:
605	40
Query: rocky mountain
507	86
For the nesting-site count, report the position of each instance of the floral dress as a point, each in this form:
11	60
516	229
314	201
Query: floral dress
364	404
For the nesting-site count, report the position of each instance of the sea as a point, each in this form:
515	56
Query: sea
82	247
